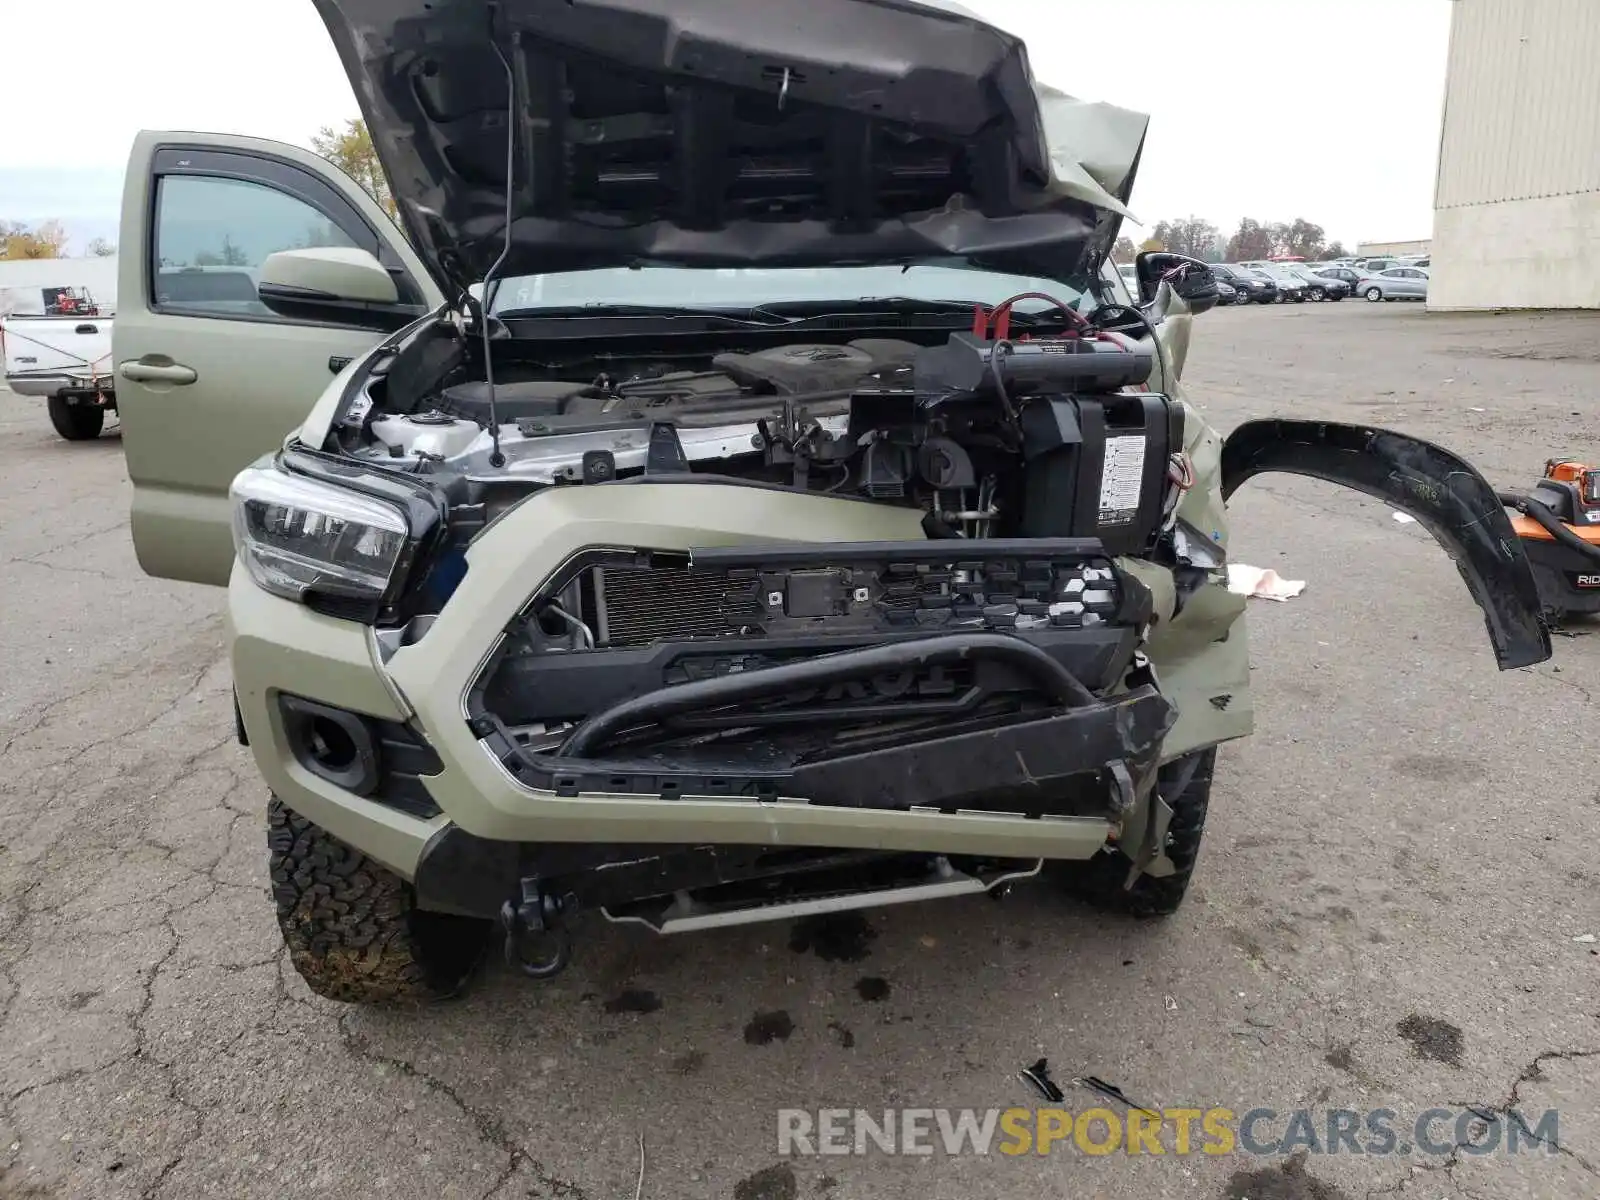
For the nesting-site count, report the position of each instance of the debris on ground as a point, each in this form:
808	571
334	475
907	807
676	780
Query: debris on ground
1113	1092
1039	1075
1586	938
1405	518
1262	582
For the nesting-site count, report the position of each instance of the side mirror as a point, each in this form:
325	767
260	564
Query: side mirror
1190	279
329	283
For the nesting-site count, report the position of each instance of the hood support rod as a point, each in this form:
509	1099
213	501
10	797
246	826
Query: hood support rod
496	458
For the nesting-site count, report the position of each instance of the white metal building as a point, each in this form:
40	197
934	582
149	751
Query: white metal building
1517	207
1394	249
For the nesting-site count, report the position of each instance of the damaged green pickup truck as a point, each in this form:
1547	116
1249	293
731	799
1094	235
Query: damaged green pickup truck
744	491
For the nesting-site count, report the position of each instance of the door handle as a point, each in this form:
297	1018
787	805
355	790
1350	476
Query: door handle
140	371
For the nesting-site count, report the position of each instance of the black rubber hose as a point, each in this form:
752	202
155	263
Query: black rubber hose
1551	523
773	681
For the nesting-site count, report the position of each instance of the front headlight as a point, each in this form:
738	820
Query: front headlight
300	538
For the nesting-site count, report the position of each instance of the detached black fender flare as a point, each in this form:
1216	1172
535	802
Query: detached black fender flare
1444	493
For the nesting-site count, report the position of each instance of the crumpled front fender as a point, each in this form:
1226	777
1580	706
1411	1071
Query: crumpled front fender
1443	492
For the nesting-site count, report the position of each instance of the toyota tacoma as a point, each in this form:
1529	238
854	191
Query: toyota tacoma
744	489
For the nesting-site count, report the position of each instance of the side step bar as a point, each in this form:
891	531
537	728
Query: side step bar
685	914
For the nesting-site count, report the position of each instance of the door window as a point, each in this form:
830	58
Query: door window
211	235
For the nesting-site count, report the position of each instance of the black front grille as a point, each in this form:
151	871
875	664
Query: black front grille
640	605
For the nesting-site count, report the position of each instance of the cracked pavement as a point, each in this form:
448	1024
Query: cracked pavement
1396	868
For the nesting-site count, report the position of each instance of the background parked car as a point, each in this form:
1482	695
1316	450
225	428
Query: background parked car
1290	286
1397	283
1347	275
1226	292
1371	266
1320	287
1251	287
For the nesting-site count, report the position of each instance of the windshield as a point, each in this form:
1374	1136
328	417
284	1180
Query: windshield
683	287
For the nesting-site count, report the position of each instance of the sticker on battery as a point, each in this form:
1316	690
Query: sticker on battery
1122	480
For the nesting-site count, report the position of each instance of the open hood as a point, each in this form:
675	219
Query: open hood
729	133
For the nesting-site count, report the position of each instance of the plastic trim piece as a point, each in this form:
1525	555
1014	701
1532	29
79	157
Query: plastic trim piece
1442	491
1062	685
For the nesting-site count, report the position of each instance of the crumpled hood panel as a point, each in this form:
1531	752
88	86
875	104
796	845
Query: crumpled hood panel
721	133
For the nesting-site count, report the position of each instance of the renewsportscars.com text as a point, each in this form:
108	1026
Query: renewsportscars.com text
1265	1132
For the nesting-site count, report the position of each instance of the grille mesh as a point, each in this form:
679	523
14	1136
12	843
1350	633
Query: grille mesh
647	604
644	606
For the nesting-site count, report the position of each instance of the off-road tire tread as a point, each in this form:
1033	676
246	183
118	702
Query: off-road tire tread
1101	881
76	422
351	927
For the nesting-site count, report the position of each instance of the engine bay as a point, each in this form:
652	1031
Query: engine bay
1037	435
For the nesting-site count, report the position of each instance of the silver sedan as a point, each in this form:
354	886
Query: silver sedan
1397	283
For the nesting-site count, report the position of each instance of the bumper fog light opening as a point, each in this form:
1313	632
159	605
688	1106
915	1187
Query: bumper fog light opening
332	744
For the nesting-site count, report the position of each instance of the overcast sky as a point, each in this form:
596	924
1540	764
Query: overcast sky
1323	109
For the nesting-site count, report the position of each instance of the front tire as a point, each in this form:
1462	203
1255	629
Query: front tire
1100	881
76	422
1374	294
1318	295
352	927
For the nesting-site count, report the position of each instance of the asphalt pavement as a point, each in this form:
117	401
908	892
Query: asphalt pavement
1390	911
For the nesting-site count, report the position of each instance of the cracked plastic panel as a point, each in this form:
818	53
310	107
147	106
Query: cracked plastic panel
1443	492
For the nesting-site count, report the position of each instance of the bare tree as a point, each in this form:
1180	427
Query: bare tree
1189	235
1298	239
1124	251
1251	240
231	254
100	248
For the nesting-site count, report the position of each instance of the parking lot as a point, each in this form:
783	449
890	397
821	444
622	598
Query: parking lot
1398	869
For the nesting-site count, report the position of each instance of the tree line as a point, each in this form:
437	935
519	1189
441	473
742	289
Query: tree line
1199	238
47	239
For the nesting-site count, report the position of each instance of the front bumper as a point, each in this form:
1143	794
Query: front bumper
915	796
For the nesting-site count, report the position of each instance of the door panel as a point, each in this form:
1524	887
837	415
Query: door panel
208	378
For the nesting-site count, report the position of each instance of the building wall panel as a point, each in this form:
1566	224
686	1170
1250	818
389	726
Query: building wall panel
1540	253
1522	106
